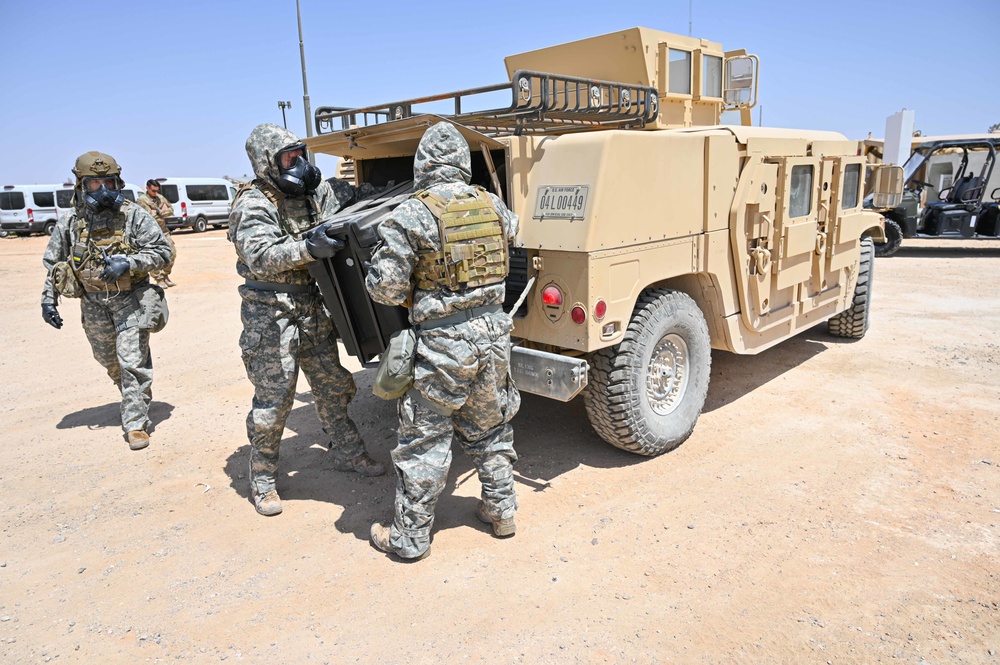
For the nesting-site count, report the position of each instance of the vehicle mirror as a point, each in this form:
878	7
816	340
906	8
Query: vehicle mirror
741	82
887	192
996	194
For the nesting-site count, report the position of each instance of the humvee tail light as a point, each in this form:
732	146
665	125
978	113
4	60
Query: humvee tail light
578	314
551	295
600	309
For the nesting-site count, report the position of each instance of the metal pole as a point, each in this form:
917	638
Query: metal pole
760	115
690	16
305	85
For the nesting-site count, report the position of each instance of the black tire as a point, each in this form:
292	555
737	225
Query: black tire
853	322
50	228
623	397
199	225
893	239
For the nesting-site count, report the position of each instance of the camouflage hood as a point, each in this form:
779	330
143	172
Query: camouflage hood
442	157
264	143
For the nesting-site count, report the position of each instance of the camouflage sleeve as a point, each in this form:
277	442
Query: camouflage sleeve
259	239
389	278
146	203
511	222
164	203
144	234
57	250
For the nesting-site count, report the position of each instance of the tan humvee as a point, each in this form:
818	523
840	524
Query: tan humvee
649	234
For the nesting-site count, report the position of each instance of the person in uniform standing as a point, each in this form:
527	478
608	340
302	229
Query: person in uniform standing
157	205
444	252
275	227
102	252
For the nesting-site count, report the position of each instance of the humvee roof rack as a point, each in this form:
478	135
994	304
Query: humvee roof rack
541	103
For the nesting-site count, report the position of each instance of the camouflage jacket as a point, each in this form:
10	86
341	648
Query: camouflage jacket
443	166
150	249
154	206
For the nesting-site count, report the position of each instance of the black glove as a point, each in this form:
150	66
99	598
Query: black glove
51	316
321	243
114	267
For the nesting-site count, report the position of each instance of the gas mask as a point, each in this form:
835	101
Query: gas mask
100	194
297	175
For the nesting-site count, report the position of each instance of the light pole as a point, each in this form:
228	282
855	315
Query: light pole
283	106
305	85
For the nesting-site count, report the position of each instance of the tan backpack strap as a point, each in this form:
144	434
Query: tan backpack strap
436	204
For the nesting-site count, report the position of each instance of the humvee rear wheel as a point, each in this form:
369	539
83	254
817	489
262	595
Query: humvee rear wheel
853	322
893	239
646	393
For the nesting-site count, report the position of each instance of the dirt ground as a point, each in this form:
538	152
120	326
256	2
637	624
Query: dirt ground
839	502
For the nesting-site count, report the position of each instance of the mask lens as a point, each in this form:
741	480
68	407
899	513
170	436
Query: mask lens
287	158
94	184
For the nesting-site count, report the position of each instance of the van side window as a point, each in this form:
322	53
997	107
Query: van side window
44	199
207	193
232	193
679	72
169	192
129	194
852	181
64	198
800	197
11	201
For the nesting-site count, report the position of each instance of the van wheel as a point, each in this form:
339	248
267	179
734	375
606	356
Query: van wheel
645	394
893	239
853	322
199	225
50	228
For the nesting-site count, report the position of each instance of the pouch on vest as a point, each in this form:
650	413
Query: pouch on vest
395	369
65	282
151	303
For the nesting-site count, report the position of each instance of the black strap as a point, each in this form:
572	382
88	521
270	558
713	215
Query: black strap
319	348
459	317
280	287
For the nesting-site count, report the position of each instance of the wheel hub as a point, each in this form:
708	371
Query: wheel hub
667	374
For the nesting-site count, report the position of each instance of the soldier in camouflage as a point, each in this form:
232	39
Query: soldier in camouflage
159	207
462	387
102	252
276	227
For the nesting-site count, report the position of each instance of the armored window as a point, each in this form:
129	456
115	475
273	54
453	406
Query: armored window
169	192
680	72
64	198
207	193
800	196
852	182
44	199
11	201
711	76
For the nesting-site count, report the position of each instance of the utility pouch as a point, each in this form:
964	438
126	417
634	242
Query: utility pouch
395	369
151	303
65	282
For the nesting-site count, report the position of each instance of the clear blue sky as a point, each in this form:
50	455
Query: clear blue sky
174	88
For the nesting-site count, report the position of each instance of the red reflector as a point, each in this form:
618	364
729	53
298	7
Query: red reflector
551	295
578	314
600	309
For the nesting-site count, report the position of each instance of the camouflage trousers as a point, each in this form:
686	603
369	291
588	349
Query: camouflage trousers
165	271
123	349
282	331
464	392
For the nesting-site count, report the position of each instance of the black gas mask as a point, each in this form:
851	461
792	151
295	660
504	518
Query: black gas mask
100	194
297	175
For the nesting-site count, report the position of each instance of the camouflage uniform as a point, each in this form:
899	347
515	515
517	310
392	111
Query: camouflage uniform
154	207
461	381
110	316
282	330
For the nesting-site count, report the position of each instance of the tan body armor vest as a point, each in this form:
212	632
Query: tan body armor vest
88	256
473	243
296	216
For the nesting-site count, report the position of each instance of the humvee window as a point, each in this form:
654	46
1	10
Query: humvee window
800	200
711	76
852	178
680	72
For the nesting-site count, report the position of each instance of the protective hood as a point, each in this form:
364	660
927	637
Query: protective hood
442	157
264	143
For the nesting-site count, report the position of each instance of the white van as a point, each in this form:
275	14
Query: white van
198	202
27	209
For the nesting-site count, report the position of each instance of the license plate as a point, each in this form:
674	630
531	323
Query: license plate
561	202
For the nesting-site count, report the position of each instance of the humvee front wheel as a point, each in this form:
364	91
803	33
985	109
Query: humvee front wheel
893	239
646	393
853	322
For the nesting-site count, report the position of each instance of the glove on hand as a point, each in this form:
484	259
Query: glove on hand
114	267
321	244
51	316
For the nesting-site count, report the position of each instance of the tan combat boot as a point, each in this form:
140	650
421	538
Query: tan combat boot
380	539
501	528
137	439
267	504
362	464
167	282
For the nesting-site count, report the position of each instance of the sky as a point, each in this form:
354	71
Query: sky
172	89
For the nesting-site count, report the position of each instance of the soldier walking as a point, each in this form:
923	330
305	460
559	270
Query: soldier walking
157	205
275	226
462	387
102	252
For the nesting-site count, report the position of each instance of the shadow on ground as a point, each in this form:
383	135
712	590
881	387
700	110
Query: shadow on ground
109	415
